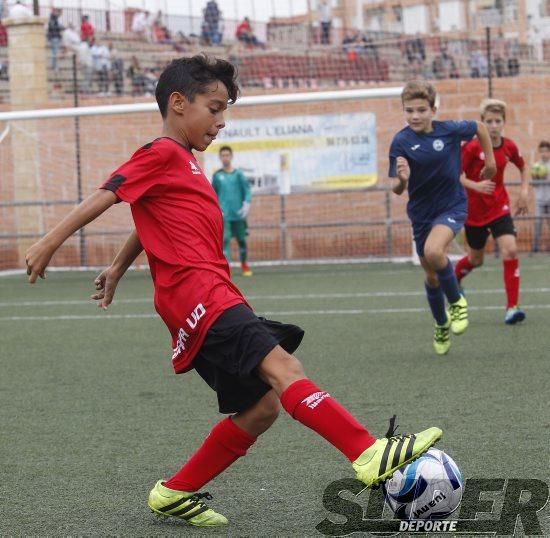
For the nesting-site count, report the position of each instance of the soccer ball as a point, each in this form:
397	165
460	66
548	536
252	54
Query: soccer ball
428	488
539	171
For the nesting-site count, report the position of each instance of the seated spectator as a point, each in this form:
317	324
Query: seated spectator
144	81
87	31
500	66
444	65
350	40
245	34
415	49
369	47
513	67
70	38
478	64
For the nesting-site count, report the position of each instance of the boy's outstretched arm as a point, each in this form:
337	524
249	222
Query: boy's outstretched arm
107	281
490	168
39	255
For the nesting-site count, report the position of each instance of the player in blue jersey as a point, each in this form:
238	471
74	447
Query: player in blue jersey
425	160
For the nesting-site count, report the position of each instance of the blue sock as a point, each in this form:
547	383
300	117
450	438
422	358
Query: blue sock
449	283
436	300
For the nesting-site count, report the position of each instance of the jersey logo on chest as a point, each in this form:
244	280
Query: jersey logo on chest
438	144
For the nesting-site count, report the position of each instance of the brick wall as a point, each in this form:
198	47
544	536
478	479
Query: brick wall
107	141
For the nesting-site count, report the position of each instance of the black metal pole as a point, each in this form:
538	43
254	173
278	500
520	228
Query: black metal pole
489	61
35	7
81	232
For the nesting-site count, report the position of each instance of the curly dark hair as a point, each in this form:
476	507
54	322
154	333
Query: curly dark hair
190	76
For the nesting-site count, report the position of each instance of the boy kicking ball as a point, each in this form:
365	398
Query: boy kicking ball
247	360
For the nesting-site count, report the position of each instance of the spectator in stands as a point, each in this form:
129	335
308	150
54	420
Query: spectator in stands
87	31
144	81
444	65
137	76
102	65
369	46
117	70
54	35
513	67
415	49
70	38
245	34
500	66
478	64
350	40
142	25
3	71
19	11
211	24
325	20
86	65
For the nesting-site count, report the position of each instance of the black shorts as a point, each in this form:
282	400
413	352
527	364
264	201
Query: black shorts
477	235
233	348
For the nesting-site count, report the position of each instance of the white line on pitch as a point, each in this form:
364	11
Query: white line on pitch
471	291
352	312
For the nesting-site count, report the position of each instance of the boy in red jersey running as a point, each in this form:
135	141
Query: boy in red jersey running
489	206
247	360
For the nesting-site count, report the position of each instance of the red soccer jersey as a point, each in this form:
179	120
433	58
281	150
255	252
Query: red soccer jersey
485	208
180	225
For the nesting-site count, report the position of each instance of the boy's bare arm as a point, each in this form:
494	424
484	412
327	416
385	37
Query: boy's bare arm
38	256
485	186
490	168
522	207
403	173
107	281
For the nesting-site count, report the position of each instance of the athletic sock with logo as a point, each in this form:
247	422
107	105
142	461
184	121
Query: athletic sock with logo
223	446
511	281
305	402
436	300
463	267
448	282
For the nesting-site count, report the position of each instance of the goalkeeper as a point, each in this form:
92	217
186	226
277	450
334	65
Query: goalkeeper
234	195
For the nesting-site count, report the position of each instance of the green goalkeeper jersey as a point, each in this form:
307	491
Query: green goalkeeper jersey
232	189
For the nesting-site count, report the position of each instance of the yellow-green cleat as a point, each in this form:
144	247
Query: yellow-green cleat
184	505
385	456
442	337
459	315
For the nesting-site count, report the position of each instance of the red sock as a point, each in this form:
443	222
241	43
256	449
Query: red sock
224	445
511	281
462	268
316	409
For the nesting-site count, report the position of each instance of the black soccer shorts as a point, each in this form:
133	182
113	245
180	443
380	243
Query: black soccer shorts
234	347
477	235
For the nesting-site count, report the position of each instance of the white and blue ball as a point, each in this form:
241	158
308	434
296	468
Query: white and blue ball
428	488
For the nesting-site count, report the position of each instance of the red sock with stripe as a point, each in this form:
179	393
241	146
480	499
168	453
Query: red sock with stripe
223	446
462	268
511	281
307	403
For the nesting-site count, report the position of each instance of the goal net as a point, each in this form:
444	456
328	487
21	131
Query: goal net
314	161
